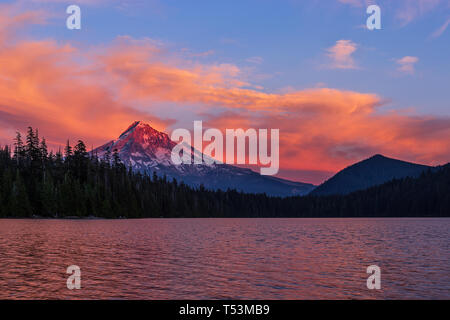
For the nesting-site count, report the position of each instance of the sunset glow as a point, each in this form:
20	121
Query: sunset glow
94	90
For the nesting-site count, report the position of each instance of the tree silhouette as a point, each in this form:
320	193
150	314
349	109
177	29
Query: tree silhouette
33	182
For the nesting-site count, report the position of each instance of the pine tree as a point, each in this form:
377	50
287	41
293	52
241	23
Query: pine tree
19	151
59	157
32	145
43	149
80	159
36	141
80	150
68	151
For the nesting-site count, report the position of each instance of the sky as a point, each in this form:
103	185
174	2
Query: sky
338	92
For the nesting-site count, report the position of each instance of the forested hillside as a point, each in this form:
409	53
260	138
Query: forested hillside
34	182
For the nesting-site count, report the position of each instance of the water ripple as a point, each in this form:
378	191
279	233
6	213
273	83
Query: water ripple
225	258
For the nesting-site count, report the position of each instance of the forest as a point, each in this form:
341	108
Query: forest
77	184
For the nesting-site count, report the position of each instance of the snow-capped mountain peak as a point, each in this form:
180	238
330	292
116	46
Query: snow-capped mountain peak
144	134
148	150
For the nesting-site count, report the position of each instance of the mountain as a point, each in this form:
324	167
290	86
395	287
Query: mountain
370	172
148	150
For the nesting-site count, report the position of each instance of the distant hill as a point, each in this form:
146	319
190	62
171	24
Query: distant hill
368	173
428	195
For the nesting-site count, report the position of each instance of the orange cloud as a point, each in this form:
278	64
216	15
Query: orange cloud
44	84
330	137
94	95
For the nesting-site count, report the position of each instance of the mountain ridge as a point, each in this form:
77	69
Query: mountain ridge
148	150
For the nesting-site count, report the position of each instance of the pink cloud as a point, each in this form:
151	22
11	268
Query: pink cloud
341	55
407	64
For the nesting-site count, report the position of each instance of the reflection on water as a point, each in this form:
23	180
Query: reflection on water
225	258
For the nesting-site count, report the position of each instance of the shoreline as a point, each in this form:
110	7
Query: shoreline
248	218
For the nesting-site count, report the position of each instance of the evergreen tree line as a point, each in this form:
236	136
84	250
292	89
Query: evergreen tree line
75	183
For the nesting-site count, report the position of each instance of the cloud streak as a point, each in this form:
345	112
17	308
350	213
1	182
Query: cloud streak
407	64
441	30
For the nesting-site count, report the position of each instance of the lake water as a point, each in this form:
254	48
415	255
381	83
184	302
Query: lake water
225	258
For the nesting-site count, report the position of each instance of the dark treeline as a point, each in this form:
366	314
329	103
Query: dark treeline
34	182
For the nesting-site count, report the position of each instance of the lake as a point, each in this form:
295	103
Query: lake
225	258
